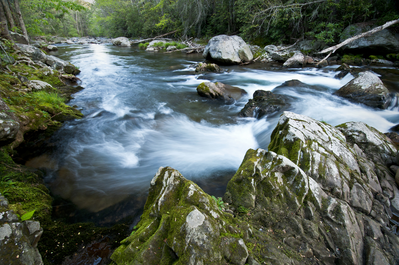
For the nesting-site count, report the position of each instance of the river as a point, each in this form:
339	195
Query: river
141	111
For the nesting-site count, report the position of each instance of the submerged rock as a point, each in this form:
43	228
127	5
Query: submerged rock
220	91
228	50
368	89
263	103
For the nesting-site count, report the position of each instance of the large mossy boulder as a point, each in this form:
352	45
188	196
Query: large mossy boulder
263	103
381	42
181	224
228	50
320	195
220	91
367	89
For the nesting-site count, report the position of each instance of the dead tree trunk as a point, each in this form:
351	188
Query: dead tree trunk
349	40
8	14
21	20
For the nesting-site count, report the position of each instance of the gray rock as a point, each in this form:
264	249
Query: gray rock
52	48
220	91
18	38
9	124
207	67
39	85
381	42
41	58
298	60
368	89
279	54
171	48
18	240
228	50
121	41
263	103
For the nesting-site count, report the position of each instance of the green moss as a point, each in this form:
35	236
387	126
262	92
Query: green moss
24	189
203	88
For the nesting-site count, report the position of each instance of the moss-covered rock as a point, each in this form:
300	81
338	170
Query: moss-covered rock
220	91
181	225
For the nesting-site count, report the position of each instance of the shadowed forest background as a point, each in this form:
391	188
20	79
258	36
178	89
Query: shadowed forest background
258	21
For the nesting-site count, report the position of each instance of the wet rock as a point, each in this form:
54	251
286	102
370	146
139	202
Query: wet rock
9	125
228	50
220	91
367	89
121	41
32	52
298	60
207	67
18	240
381	42
263	103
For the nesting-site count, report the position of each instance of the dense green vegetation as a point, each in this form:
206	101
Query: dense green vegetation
259	21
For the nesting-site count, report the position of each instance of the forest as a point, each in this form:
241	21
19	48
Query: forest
258	21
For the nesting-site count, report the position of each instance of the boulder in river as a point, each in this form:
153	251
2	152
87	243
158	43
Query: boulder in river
298	60
9	124
383	41
207	67
368	89
228	50
220	91
263	103
320	193
121	41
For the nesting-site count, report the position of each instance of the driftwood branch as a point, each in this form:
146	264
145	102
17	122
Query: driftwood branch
365	34
157	37
349	40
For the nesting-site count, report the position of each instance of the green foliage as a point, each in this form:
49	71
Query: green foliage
352	59
242	210
393	56
219	202
27	215
143	45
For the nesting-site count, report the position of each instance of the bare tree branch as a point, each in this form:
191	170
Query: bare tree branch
365	34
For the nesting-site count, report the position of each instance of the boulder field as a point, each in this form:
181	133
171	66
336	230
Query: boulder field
319	195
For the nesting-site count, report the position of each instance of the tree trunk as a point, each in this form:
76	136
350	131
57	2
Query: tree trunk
21	20
3	25
7	11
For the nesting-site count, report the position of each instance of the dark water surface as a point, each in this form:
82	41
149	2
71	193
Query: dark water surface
142	112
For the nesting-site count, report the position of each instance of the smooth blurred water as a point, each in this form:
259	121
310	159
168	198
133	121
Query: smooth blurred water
142	112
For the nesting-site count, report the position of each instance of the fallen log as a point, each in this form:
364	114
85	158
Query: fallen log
349	40
157	37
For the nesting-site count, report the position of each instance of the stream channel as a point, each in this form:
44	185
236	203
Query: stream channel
141	111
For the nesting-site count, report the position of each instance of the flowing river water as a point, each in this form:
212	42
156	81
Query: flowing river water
141	111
